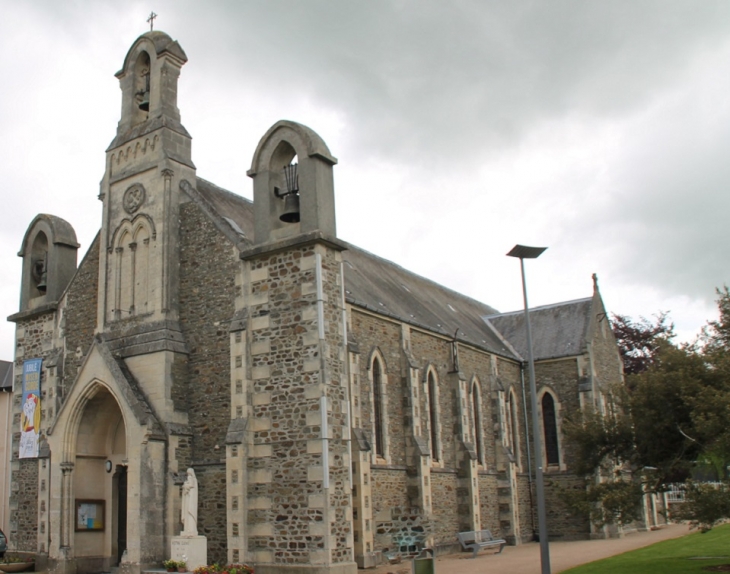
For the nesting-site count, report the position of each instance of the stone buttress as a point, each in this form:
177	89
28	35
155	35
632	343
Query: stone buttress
297	488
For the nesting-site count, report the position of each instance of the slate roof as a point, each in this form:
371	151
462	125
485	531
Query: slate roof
6	376
381	286
235	209
558	330
384	287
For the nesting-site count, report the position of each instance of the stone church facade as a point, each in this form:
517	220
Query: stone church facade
333	405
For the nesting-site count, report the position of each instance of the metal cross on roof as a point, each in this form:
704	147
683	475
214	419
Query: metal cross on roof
151	20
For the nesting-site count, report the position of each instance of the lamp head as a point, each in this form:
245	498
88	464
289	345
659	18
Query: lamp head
525	252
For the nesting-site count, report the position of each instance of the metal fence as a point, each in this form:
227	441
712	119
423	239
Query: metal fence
676	491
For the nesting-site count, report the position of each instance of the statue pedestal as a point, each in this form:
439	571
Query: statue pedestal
193	548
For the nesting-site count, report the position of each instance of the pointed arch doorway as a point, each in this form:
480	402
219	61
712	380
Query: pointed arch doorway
100	478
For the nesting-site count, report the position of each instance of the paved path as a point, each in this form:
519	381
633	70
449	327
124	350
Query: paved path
525	559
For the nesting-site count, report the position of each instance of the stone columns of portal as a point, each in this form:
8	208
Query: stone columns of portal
65	563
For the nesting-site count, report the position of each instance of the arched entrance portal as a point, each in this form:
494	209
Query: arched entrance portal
100	482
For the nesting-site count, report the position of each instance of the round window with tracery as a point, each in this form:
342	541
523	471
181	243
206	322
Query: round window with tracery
134	198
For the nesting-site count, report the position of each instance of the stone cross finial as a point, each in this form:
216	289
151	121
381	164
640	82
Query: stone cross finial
151	20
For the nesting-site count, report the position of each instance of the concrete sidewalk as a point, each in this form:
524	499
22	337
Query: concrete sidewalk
525	559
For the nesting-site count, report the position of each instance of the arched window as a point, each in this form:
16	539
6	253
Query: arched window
39	264
477	422
130	268
378	438
513	437
142	71
49	260
550	427
433	415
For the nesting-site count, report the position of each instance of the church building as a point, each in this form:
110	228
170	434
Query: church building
334	406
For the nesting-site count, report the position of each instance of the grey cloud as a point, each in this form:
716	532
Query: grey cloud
434	90
472	74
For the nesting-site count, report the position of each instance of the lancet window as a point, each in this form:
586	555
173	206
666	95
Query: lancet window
131	269
476	407
378	409
433	423
512	432
550	428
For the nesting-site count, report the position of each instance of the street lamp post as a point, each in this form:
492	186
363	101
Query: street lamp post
523	252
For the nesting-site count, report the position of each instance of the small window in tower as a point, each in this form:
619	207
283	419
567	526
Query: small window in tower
39	265
142	82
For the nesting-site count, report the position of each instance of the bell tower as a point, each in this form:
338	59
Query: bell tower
299	456
145	162
138	305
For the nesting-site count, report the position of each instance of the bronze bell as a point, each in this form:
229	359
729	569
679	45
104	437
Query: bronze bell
291	209
40	273
144	105
42	283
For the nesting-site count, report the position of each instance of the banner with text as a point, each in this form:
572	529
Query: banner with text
30	418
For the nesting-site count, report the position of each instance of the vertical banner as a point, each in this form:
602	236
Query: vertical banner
30	418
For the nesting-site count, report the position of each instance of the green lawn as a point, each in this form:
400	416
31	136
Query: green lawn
668	557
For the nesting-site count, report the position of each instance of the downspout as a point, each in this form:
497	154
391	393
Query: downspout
4	508
529	452
323	398
347	371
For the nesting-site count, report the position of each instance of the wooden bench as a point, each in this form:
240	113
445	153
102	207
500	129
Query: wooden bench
477	539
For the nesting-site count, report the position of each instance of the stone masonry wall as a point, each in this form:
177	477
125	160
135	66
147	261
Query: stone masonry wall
606	357
562	524
207	292
336	385
211	506
475	363
79	314
290	522
489	502
34	340
526	508
24	505
428	350
389	498
509	374
371	332
562	377
446	522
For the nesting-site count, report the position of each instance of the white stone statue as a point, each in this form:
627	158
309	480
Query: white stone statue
189	514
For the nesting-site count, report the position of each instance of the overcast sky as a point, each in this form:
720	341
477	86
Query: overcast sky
600	129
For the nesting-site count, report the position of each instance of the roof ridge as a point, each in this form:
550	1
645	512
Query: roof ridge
541	307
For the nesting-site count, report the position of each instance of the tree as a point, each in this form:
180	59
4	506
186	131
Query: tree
638	341
716	335
705	505
664	402
672	413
